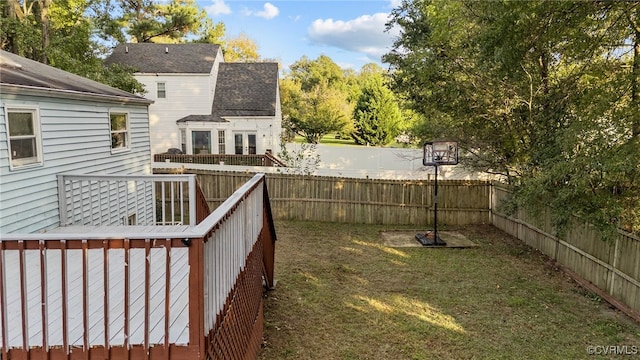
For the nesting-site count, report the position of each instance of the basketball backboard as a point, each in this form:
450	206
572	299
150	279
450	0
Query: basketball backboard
440	153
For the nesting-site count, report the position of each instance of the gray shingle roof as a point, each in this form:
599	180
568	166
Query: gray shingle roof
166	58
243	89
21	73
246	89
207	118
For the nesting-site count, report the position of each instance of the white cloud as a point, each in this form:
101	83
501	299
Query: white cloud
269	11
365	34
395	3
218	7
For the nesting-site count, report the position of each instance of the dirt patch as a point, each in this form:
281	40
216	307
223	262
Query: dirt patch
407	238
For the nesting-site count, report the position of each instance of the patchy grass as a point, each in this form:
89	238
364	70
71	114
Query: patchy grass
330	139
342	294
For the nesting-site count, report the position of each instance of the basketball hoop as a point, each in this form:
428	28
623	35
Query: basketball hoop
437	153
440	153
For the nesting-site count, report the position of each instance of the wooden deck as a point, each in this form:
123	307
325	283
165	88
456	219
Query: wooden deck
97	302
141	292
178	306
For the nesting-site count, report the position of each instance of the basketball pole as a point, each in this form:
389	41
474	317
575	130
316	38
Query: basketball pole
435	209
433	239
437	153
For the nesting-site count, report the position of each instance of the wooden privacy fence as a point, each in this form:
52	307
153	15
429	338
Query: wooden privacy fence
612	265
141	292
368	201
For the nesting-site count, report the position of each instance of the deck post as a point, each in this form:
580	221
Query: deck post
193	221
62	201
268	238
196	296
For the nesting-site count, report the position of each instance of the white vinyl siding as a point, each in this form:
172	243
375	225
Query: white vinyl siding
190	94
23	129
75	139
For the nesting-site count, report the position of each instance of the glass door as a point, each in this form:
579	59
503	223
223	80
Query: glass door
245	143
251	139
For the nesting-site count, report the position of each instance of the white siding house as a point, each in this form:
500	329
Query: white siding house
53	122
204	105
179	78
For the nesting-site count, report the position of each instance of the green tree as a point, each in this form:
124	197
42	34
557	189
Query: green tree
311	73
240	49
315	98
212	33
541	92
377	116
151	21
314	113
60	33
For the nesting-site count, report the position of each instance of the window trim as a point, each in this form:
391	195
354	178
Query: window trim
127	132
20	164
222	145
164	89
210	131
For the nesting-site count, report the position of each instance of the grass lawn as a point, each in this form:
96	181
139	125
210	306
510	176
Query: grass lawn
342	294
330	139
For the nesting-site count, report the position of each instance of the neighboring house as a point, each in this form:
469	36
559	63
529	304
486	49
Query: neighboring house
54	122
246	117
202	104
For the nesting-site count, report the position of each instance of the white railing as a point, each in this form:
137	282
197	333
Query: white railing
116	291
100	200
227	249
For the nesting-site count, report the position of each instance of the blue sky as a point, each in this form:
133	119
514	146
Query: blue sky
351	32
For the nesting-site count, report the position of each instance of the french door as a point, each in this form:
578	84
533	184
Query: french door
244	143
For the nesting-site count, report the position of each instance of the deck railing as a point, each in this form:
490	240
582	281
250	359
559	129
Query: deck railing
221	159
134	292
127	200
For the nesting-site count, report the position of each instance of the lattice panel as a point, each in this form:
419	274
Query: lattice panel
238	333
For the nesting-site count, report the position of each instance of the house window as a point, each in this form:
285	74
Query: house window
201	142
221	142
119	131
162	90
24	137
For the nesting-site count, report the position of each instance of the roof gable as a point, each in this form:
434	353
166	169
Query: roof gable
193	58
246	89
19	72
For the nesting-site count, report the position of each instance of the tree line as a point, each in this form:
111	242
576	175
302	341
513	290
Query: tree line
543	93
320	98
76	35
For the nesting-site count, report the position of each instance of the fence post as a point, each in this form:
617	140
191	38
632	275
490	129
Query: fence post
616	256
